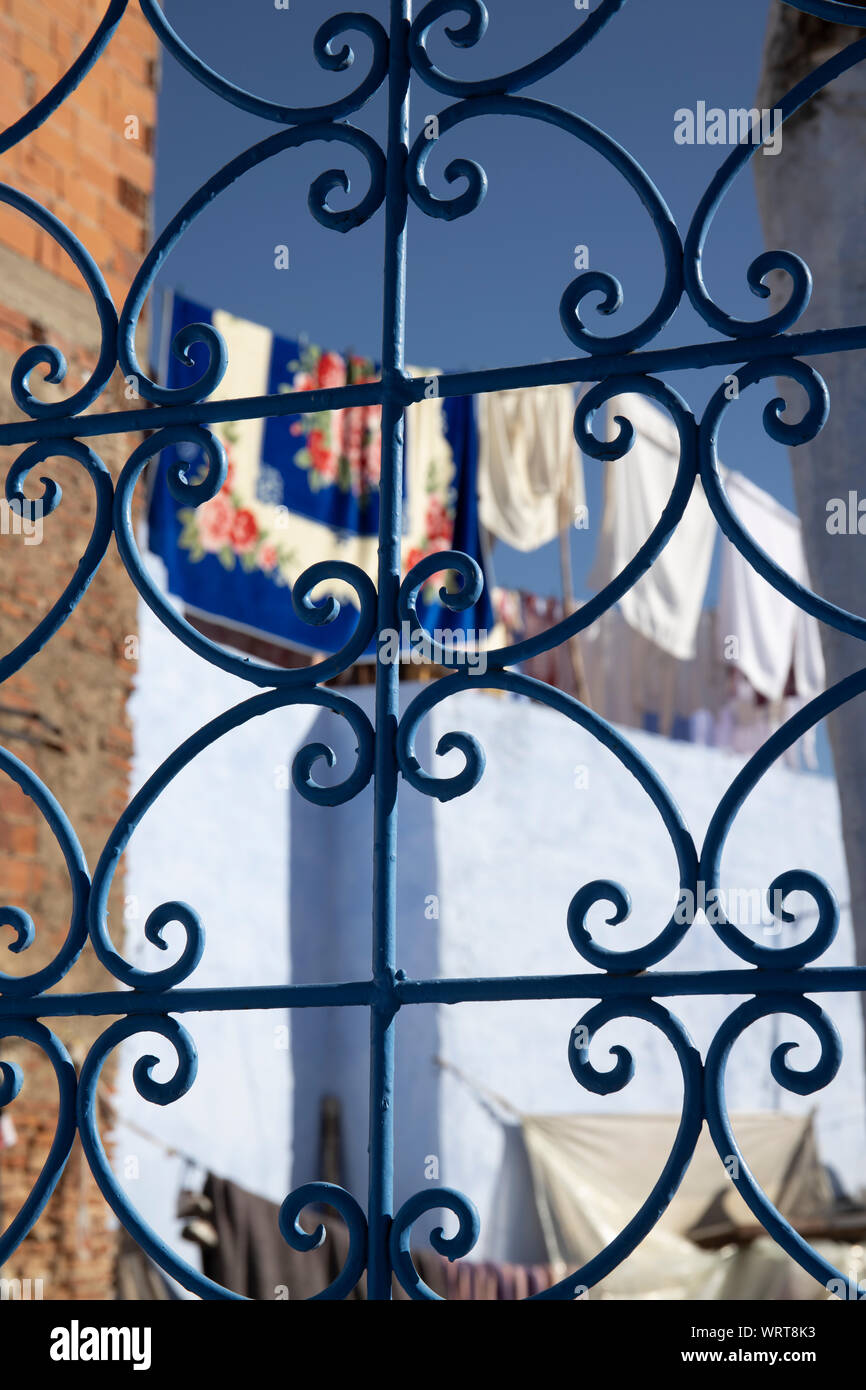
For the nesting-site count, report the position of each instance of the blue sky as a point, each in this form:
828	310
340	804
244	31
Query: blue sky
483	291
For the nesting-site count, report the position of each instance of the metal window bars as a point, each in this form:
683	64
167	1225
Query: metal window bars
776	980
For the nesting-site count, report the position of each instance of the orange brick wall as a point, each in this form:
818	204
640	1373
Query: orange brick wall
64	715
81	163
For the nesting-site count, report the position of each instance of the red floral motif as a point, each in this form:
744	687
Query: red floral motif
415	554
224	527
342	446
332	370
439	535
440	524
215	522
322	459
244	531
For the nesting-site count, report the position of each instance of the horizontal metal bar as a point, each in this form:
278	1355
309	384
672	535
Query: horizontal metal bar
567	370
204	413
120	1003
598	367
648	985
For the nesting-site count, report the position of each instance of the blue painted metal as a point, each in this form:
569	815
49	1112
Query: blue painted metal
306	608
384	1010
796	268
42	109
623	984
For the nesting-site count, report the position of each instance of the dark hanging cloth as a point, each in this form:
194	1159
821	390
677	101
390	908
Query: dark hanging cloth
250	1256
137	1278
243	1250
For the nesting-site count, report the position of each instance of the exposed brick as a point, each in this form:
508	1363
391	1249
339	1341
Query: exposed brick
16	881
18	839
37	59
35	21
132	198
132	97
64	715
11	84
19	233
132	161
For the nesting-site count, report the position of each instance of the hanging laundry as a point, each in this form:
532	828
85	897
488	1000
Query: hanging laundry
136	1277
589	1172
632	681
243	1249
530	471
665	604
323	465
638	684
540	614
234	558
305	488
508	609
493	1280
700	687
771	637
440	509
246	1251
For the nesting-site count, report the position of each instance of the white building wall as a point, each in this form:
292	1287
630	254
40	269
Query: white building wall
218	839
284	889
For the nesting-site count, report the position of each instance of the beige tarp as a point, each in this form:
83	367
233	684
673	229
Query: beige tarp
591	1174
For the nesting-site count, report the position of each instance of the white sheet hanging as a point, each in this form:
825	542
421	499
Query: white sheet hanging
771	633
665	604
529	470
590	1174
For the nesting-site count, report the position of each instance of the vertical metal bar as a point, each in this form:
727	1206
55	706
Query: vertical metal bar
381	1146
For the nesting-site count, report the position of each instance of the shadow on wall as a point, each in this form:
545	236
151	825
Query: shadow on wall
330	915
514	1229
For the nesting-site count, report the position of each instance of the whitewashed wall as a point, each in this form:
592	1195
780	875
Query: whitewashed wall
218	839
284	889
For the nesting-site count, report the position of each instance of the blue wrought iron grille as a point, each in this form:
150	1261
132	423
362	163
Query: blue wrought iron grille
629	985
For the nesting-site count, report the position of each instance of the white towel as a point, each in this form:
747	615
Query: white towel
772	634
528	465
665	604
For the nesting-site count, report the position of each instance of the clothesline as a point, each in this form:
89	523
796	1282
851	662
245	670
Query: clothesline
115	1119
490	1100
503	467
